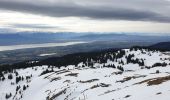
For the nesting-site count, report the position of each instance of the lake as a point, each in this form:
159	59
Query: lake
26	46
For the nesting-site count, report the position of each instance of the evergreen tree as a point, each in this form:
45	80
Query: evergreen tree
10	76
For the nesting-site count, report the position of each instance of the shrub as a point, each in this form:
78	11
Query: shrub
157	71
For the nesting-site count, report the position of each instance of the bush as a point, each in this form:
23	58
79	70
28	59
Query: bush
157	71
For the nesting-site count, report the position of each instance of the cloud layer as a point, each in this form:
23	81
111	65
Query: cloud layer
133	10
39	26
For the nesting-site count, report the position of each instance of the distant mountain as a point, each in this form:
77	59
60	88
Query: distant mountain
29	38
8	39
161	45
125	38
40	37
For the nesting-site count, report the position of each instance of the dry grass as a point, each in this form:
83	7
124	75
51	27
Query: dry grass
55	79
68	81
98	85
155	81
72	74
56	95
94	86
109	91
57	73
104	85
130	77
88	81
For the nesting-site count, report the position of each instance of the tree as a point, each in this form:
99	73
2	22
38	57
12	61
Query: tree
3	78
17	88
22	78
8	96
16	73
10	76
120	68
24	87
18	79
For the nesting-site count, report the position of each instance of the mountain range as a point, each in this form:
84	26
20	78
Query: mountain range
37	38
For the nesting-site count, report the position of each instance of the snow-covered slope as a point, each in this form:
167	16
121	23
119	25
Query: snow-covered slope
136	75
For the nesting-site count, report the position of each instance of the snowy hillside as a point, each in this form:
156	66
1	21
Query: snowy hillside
128	74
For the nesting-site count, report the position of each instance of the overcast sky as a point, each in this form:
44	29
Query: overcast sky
143	16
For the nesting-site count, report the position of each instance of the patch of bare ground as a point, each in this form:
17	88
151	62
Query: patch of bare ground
104	85
72	74
127	96
130	77
129	70
155	81
158	93
67	81
98	85
56	95
55	79
88	81
57	73
114	73
118	73
109	91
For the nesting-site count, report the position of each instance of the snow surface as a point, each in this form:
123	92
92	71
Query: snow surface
75	81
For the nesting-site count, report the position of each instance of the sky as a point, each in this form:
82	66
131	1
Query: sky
140	16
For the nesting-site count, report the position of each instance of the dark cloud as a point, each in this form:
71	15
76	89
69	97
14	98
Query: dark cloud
95	12
37	26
